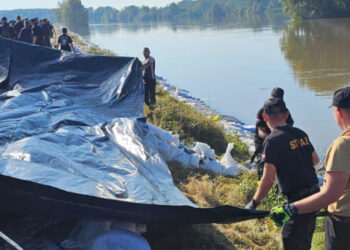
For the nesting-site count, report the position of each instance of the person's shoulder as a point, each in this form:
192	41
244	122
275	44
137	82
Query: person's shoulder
342	143
274	135
298	130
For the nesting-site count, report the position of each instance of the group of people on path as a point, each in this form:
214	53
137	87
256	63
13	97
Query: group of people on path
35	31
286	153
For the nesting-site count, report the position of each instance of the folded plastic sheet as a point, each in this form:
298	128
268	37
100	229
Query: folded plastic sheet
71	143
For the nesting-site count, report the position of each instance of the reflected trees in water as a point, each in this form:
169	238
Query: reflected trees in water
318	53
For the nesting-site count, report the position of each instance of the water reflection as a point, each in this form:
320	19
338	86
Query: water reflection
255	23
318	51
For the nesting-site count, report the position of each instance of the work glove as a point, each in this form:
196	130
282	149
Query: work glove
252	205
282	214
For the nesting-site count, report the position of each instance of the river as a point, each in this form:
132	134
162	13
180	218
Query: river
233	66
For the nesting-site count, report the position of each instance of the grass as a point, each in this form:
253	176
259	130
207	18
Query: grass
207	190
180	118
99	51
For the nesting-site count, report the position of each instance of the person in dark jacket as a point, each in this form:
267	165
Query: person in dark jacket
5	29
18	26
46	32
37	32
26	33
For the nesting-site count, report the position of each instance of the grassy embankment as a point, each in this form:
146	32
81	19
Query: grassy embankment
207	189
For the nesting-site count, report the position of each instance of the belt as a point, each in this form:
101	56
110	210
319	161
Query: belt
303	193
341	219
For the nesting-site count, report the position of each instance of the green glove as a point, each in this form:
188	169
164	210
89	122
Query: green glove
282	214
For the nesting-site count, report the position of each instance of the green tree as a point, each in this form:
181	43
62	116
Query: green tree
316	8
74	15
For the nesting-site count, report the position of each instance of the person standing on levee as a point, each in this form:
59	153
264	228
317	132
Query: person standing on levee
149	78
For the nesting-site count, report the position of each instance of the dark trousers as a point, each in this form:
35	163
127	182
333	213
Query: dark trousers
150	92
337	234
297	233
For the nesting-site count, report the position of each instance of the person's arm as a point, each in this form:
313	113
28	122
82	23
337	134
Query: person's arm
262	133
35	39
315	159
335	186
266	183
19	35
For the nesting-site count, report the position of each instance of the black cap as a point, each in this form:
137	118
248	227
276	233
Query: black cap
277	92
275	106
341	98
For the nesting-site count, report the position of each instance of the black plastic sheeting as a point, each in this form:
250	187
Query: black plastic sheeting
72	146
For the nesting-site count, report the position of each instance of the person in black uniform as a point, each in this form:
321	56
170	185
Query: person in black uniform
6	30
262	131
37	32
46	31
26	33
65	42
19	25
289	155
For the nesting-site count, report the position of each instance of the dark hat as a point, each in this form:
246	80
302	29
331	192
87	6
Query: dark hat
277	92
341	98
275	106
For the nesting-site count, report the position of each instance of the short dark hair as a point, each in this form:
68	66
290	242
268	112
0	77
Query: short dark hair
146	49
274	106
4	19
19	17
64	30
278	93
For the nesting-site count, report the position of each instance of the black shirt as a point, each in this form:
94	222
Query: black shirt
46	32
290	150
65	42
260	123
38	33
6	31
26	35
18	27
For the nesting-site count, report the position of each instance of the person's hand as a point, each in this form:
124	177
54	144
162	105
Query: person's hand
282	214
252	205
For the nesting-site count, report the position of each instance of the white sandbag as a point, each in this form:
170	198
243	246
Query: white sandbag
164	135
204	151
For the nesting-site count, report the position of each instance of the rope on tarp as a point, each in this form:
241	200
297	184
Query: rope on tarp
10	241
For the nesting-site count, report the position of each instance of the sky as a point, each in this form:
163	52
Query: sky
27	4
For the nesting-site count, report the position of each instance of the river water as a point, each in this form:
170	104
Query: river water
233	66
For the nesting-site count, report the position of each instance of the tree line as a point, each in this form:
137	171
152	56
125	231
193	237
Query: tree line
74	15
316	8
185	10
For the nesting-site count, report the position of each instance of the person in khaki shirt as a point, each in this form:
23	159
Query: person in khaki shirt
336	192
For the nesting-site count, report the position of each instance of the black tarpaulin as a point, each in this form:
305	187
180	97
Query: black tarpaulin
71	143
